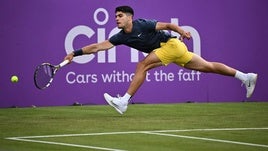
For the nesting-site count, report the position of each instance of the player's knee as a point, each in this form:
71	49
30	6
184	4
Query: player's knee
208	67
141	66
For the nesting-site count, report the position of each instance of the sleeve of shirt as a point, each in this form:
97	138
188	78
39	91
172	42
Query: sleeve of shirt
115	39
149	24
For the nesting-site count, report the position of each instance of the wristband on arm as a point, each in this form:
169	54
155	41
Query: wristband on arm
78	52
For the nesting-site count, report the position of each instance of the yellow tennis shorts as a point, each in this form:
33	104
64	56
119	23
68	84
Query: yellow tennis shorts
173	51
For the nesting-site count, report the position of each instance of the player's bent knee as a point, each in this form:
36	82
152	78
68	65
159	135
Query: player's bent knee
141	66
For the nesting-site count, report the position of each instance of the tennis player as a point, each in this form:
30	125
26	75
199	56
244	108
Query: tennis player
149	36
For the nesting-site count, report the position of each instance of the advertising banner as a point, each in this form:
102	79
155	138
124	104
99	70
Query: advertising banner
36	31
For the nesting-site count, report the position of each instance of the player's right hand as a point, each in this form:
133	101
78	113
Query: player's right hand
69	57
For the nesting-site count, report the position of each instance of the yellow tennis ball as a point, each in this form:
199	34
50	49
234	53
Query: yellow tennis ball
14	79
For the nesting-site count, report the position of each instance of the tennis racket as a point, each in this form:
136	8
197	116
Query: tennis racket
44	74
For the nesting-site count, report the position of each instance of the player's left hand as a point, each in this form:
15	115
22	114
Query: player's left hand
185	35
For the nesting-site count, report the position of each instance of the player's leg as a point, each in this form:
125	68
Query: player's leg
160	56
200	64
120	103
149	62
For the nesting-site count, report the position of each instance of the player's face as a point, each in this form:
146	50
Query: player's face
122	20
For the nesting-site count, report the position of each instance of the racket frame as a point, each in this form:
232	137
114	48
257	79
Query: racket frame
55	68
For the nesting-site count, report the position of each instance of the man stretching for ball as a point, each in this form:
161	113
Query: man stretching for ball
149	36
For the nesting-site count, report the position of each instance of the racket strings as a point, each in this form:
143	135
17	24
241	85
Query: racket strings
43	76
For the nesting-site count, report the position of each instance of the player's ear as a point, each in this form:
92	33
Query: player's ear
129	15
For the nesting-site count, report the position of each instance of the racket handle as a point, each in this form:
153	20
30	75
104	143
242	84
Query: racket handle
65	62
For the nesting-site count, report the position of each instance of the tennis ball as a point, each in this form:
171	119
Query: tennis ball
14	79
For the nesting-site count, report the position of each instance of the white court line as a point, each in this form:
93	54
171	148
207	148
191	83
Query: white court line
157	132
211	129
208	139
74	135
135	132
65	144
30	139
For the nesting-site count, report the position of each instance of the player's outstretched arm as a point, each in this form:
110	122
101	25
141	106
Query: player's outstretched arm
89	49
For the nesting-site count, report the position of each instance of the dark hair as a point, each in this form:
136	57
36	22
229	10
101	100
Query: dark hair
124	9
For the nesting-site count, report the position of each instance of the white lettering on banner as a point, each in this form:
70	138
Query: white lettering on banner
189	76
123	76
72	78
162	76
74	32
101	10
101	36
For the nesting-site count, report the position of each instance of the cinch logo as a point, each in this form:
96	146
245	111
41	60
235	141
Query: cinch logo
110	55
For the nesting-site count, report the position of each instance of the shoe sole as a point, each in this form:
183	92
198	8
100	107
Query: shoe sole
255	81
111	103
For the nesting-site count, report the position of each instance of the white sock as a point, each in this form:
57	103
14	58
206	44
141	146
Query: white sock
126	97
240	75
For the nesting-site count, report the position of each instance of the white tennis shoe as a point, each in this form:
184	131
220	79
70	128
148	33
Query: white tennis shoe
116	102
250	83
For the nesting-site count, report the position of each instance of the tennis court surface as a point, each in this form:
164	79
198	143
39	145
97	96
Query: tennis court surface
192	126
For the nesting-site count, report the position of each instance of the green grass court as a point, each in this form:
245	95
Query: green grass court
165	127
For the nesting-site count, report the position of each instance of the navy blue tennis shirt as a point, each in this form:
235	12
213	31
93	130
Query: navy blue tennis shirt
143	36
